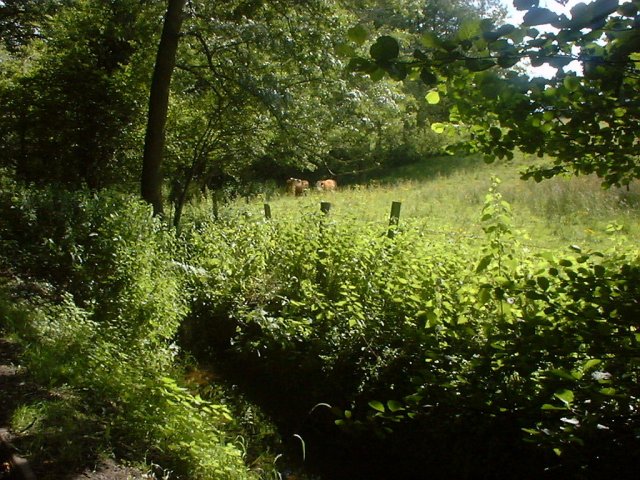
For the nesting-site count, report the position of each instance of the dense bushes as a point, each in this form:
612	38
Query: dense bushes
468	359
433	346
106	336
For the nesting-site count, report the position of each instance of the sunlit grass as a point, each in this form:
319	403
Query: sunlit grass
447	195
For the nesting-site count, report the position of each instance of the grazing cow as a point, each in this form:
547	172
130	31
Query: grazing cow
327	185
297	187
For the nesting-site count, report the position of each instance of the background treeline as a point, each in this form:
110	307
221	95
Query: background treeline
260	91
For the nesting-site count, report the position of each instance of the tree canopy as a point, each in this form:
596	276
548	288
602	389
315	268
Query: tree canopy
584	118
259	92
260	89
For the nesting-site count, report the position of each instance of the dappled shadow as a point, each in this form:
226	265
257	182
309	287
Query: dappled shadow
448	441
426	169
69	448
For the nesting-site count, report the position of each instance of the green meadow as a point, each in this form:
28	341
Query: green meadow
445	196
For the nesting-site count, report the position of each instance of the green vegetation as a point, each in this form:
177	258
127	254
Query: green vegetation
445	194
491	333
100	338
515	342
586	120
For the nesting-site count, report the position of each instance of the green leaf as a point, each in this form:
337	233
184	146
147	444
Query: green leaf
433	97
543	282
548	406
589	364
430	40
484	263
394	406
468	29
558	372
539	16
384	49
376	405
479	64
484	295
505	30
362	65
358	34
397	71
571	83
508	61
438	127
628	9
603	8
565	396
495	133
428	77
345	50
432	319
525	4
377	74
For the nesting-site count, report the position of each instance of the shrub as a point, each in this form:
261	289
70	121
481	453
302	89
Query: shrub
431	344
108	340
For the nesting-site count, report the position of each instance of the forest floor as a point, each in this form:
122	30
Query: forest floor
16	389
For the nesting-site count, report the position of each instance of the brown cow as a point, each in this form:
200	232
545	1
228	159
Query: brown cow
327	185
297	187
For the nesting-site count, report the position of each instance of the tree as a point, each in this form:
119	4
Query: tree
262	86
71	96
151	181
587	122
22	20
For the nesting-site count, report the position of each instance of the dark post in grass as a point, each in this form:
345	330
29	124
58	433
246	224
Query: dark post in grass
394	218
267	211
214	205
325	207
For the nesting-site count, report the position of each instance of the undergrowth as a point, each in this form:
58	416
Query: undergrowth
522	358
460	342
98	325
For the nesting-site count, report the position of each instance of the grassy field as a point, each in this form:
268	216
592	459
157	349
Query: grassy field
445	195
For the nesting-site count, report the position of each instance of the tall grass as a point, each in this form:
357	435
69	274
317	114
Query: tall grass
446	196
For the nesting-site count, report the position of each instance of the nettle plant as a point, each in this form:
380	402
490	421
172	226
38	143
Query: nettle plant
508	342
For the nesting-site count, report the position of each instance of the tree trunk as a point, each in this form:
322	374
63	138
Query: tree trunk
151	181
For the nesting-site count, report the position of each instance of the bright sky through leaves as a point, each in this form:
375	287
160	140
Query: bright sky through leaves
515	17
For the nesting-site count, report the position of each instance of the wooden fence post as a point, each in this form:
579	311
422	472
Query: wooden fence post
214	205
267	211
394	219
321	274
